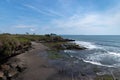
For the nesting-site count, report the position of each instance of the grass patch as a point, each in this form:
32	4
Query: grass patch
54	55
13	44
96	69
55	45
104	77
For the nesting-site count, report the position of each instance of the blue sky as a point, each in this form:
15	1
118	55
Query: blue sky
78	17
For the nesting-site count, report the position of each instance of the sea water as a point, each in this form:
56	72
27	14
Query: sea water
102	50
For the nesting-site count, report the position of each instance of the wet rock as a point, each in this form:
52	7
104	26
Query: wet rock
71	46
21	67
69	40
12	73
5	67
1	74
68	46
13	65
11	69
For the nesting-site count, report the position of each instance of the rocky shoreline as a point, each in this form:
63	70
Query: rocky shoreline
72	68
15	45
39	62
12	66
11	69
65	68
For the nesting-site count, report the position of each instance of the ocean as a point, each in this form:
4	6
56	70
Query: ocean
101	50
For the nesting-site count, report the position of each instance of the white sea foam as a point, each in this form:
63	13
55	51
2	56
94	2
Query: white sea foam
69	51
114	54
96	63
96	58
88	45
100	57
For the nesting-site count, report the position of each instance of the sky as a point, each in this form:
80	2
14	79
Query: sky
73	17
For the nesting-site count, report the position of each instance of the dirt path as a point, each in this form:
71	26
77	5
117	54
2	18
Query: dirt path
37	66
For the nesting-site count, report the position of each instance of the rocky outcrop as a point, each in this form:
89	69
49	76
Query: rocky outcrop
68	46
11	69
71	46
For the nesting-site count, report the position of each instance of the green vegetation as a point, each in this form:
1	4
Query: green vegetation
96	69
11	45
54	55
55	45
64	46
104	77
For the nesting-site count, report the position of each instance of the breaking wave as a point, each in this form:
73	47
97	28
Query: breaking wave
101	50
108	59
88	45
97	63
96	54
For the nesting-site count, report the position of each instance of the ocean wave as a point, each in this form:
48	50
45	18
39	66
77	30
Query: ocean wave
69	51
92	62
97	54
109	59
96	63
114	54
88	45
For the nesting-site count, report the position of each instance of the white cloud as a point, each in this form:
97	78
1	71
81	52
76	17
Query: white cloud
32	29
24	26
45	11
89	20
91	23
38	10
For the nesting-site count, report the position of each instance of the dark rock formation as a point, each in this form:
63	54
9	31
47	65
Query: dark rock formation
71	46
68	46
11	69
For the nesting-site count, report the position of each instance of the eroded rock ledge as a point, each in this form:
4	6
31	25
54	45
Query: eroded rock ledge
11	69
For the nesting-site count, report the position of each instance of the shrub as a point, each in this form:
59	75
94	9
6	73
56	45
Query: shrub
10	44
